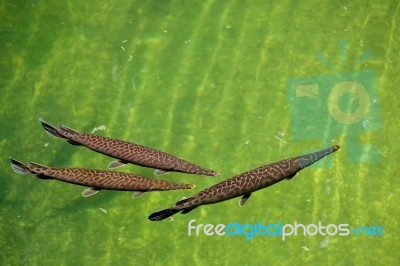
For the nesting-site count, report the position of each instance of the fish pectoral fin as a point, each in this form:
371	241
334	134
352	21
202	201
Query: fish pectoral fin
290	177
244	199
158	172
116	164
90	192
137	194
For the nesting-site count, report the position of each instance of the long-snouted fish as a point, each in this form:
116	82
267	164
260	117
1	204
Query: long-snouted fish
98	179
127	152
244	184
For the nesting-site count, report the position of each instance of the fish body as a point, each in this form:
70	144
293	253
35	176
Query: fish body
246	183
127	152
97	179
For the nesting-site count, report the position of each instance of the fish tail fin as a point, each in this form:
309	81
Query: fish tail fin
52	131
163	214
19	167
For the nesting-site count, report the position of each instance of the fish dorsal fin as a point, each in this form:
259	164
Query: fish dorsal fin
183	201
158	172
244	199
69	130
137	194
38	165
90	192
116	164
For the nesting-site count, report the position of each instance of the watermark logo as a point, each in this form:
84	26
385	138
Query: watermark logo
279	229
337	104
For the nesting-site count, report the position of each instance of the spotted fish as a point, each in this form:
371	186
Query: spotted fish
127	152
244	184
98	179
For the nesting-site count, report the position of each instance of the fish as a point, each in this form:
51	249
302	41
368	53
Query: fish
127	152
97	180
245	184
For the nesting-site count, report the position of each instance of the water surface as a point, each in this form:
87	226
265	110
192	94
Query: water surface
208	81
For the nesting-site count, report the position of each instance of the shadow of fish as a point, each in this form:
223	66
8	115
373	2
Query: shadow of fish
127	152
244	184
98	179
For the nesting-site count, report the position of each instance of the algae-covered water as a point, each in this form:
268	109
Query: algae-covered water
228	85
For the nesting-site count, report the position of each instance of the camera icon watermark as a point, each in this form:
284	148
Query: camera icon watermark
338	104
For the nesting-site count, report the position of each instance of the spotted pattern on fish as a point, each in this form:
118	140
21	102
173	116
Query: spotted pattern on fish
245	183
128	152
99	179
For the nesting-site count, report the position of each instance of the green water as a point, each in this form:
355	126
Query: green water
207	81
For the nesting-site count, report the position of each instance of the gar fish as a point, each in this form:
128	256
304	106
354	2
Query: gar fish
244	184
98	179
127	152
